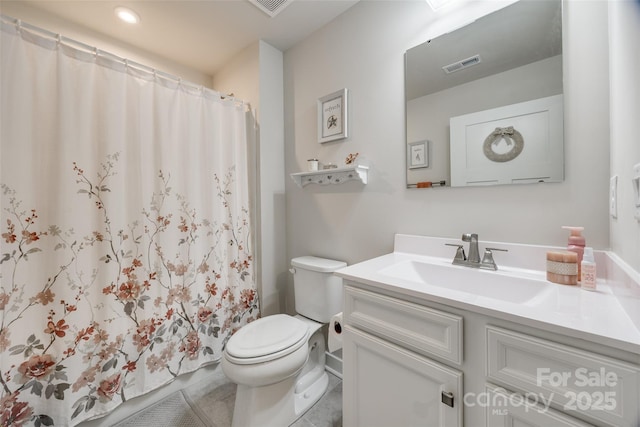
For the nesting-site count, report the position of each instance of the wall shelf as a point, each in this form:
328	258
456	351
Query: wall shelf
332	176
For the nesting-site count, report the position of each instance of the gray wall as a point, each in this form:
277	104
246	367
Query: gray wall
256	75
624	24
363	51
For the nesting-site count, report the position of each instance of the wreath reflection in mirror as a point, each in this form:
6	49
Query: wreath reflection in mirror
513	139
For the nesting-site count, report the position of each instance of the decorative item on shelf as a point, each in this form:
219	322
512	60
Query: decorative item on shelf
329	166
351	158
332	117
313	164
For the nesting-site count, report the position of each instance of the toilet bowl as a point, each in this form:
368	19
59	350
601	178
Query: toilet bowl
277	382
278	361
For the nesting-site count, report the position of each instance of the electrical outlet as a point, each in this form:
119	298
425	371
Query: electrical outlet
613	196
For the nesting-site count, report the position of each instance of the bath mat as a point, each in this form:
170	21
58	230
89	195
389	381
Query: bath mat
174	411
215	406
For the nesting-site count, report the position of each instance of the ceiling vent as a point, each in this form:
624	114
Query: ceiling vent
460	65
271	7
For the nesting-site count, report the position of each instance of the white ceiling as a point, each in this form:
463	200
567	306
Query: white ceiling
200	34
517	35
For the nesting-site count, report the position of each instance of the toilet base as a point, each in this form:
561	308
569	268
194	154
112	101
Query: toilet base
276	405
282	403
307	398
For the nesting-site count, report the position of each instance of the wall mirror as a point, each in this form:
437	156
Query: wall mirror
484	102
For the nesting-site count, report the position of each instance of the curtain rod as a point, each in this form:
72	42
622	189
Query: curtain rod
55	40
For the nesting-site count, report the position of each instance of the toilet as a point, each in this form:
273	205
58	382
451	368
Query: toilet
278	361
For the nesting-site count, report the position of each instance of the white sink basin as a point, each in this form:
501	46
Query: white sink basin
500	285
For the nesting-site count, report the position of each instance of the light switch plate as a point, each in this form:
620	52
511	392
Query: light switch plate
635	182
613	196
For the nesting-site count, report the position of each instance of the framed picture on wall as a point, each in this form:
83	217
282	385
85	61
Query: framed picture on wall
418	153
332	117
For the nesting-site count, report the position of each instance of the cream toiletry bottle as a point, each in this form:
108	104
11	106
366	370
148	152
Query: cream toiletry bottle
588	278
576	244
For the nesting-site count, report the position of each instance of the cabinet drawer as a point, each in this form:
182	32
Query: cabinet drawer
577	382
506	409
422	329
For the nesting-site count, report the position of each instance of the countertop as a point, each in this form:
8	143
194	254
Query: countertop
598	316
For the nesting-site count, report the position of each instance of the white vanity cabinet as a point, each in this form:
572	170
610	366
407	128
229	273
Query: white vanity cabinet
389	380
405	355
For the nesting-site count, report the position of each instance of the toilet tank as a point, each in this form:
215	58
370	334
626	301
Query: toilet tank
318	293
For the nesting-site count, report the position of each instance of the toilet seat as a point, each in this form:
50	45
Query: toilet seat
266	339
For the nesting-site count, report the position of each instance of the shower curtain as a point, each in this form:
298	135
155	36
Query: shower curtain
126	255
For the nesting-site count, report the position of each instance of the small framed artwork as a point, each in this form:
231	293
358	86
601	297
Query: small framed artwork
332	117
418	154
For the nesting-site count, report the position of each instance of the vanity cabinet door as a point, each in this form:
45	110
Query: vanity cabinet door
385	385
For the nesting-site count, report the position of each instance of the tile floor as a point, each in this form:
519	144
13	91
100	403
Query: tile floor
210	403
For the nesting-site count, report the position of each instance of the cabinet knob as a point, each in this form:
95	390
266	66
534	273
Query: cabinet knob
447	398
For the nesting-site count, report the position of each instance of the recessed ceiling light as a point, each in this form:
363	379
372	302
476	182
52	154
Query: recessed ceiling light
127	15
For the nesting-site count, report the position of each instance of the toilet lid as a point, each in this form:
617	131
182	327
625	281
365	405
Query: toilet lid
276	335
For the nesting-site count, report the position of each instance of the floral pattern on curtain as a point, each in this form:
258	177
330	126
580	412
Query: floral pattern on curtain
126	254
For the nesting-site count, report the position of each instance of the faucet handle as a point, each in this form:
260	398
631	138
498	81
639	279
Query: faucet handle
460	255
496	249
487	258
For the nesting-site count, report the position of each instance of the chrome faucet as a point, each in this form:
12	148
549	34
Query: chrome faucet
474	255
473	260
